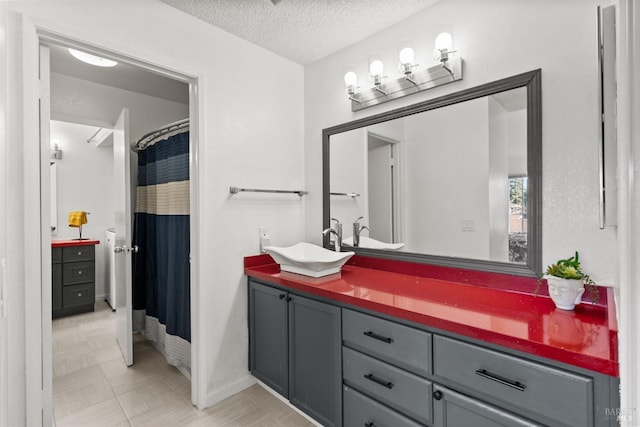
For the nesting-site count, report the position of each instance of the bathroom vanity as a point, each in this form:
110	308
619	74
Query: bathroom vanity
393	343
72	276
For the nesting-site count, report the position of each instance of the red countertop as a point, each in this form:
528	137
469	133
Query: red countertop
495	308
71	242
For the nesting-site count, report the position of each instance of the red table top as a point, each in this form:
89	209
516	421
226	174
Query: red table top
71	242
507	315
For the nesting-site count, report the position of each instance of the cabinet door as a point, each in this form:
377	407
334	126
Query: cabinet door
452	409
315	373
268	354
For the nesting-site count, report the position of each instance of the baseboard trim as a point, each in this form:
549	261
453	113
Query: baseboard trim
286	402
237	386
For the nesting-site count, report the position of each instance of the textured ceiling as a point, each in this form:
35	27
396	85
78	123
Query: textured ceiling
301	30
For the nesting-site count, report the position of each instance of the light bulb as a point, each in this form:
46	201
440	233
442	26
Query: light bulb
406	56
350	79
444	42
376	67
92	59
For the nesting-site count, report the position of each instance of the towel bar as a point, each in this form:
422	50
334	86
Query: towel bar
236	190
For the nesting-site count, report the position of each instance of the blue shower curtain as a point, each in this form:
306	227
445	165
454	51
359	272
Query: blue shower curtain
161	231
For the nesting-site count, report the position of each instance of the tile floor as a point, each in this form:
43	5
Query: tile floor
93	387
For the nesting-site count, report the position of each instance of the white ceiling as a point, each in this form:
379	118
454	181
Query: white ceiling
123	76
301	30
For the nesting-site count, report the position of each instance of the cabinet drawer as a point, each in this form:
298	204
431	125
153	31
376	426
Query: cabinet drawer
537	389
78	272
75	295
455	409
400	345
56	255
359	411
78	253
403	391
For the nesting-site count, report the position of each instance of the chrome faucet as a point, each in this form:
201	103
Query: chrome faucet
337	232
357	229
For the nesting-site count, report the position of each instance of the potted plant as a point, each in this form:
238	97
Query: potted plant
567	283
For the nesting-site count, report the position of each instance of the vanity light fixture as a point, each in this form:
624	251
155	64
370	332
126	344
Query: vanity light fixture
376	68
412	80
444	47
406	56
351	81
92	59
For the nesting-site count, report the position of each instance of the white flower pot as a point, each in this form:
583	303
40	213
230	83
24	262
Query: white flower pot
566	293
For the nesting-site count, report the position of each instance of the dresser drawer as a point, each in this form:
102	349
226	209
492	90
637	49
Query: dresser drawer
78	253
515	383
56	255
75	295
78	272
403	391
360	411
400	345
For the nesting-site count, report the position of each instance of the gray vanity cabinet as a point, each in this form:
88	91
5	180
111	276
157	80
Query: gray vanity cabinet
315	374
268	337
294	348
368	369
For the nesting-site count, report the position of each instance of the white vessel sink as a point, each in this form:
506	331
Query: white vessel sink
369	243
308	259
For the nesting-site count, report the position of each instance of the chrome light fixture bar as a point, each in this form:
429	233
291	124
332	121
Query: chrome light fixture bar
417	81
412	80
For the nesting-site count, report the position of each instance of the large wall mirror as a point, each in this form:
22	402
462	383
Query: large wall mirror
452	181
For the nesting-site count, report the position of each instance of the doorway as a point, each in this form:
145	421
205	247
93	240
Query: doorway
190	84
383	190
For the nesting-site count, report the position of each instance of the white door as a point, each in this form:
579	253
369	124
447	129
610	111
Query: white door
123	236
380	169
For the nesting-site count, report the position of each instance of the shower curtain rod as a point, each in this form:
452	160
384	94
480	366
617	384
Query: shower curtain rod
152	137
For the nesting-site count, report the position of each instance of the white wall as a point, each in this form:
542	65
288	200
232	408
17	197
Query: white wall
84	182
349	176
446	173
251	128
497	39
81	101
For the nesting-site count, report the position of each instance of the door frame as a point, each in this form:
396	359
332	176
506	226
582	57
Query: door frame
397	190
40	325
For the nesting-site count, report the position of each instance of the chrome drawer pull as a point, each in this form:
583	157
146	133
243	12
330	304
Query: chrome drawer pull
384	383
493	377
372	334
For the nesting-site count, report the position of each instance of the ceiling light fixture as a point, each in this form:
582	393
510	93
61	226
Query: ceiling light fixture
92	59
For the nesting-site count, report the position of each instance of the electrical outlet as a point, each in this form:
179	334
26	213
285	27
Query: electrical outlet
264	236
